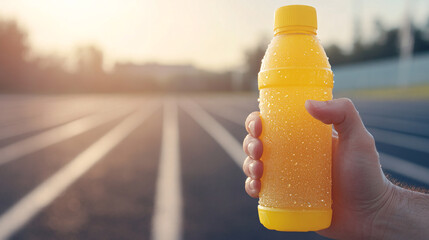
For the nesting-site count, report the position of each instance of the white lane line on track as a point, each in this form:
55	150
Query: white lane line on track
44	121
167	218
216	130
30	205
229	114
401	140
406	126
405	168
55	135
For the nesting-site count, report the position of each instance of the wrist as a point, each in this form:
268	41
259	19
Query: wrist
404	214
383	216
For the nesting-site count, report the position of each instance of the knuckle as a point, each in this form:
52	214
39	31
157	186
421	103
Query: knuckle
246	141
246	122
368	141
347	102
246	165
370	138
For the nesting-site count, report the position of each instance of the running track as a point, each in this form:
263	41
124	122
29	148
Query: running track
153	167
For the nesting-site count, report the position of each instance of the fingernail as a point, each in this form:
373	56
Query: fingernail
252	185
252	169
251	127
248	180
251	147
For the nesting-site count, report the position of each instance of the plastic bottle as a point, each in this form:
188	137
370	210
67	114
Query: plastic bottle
296	184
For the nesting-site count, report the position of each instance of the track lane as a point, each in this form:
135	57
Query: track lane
114	199
45	139
167	218
30	205
20	177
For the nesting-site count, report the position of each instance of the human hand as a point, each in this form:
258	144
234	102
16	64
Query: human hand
361	193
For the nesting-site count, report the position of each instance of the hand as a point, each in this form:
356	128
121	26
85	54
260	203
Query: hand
361	193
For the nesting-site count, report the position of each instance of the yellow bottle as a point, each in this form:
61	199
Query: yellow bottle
296	184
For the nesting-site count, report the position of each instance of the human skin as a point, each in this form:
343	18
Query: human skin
366	205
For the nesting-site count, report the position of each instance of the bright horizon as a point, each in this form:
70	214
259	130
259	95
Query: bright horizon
208	34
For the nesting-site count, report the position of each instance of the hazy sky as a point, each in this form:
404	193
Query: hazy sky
212	34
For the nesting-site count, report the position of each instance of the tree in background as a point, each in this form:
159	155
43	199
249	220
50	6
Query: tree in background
89	60
384	45
253	59
89	71
13	53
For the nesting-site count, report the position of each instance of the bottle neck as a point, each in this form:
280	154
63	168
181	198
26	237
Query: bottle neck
295	30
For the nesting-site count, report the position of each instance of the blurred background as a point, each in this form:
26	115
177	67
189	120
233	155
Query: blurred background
138	46
96	97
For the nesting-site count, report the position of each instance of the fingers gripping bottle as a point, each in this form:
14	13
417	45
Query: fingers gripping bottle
296	183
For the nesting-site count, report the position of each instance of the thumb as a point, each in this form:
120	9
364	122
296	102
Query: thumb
343	115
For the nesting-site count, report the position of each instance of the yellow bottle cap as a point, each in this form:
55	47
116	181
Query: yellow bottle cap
295	18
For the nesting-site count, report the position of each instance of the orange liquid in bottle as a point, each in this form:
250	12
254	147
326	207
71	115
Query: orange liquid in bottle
296	184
